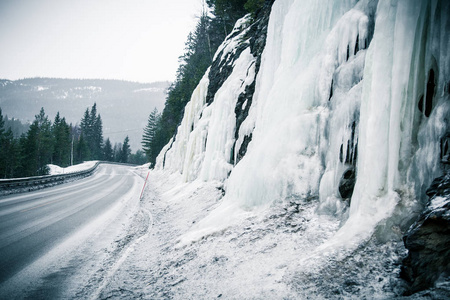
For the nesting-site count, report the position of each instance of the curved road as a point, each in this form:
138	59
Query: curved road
31	224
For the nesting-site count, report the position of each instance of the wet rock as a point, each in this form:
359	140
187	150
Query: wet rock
347	183
428	240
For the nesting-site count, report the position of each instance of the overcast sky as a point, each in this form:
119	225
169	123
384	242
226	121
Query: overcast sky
137	40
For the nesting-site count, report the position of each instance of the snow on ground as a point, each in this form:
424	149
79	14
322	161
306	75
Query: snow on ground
56	170
271	254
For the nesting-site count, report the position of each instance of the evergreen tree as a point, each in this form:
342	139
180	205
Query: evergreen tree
81	150
90	139
85	124
137	158
10	156
62	147
98	138
253	5
227	12
2	124
108	152
117	152
5	148
150	133
38	147
92	130
125	152
16	126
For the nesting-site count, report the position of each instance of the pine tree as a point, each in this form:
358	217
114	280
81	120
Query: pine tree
92	130
125	152
98	138
38	147
3	148
9	151
81	149
85	124
90	139
117	152
137	158
148	138
227	12
62	147
9	156
108	152
2	123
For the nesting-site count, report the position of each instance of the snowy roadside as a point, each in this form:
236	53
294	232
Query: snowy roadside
257	257
56	170
268	254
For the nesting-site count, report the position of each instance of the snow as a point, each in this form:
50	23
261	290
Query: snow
148	90
41	88
270	253
56	170
438	203
91	88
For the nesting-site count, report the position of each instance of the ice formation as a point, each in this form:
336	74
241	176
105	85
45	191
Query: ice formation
345	89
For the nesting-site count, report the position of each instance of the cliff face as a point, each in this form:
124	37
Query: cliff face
346	107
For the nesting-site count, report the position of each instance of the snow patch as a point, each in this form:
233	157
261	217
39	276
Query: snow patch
56	170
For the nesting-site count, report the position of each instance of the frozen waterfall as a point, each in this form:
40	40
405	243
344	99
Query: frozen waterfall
346	89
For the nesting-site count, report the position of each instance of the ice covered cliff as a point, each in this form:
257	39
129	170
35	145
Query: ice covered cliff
347	106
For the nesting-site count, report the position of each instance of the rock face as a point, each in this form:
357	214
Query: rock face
347	183
428	240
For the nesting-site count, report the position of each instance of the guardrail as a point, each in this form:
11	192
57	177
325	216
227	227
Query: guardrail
17	185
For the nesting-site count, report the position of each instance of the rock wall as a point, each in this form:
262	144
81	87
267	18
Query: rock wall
428	240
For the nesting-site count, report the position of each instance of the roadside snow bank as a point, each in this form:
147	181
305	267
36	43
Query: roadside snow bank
56	170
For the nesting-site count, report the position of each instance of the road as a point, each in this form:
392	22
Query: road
34	224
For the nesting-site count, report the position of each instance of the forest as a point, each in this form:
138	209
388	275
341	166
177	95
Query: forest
28	153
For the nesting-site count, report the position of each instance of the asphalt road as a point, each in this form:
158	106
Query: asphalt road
31	224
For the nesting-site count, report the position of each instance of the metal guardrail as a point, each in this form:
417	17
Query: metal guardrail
16	185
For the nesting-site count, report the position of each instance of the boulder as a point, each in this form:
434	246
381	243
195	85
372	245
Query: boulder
428	240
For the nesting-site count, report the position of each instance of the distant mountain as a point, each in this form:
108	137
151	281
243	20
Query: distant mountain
124	106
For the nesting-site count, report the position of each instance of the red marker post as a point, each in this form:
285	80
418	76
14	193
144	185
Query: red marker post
140	197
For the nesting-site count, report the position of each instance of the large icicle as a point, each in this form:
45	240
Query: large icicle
398	65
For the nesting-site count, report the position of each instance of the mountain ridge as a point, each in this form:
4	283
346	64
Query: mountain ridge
123	105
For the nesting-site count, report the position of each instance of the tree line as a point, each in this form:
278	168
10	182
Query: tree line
58	143
214	24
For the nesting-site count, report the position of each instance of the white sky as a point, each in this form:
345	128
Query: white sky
137	40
